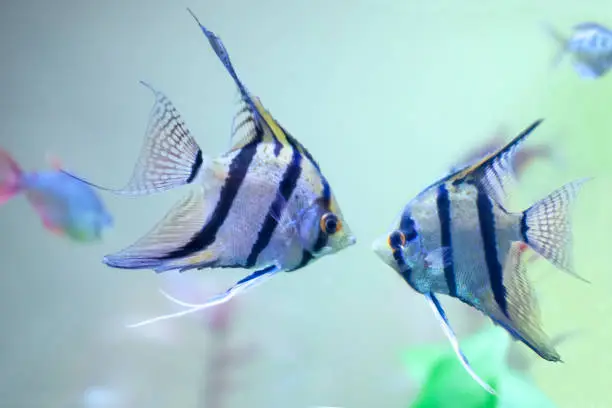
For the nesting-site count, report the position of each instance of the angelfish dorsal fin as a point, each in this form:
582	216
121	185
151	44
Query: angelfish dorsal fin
494	171
245	127
252	120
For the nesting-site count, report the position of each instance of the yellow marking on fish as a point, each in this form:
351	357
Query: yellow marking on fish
219	171
277	131
201	257
471	169
462	174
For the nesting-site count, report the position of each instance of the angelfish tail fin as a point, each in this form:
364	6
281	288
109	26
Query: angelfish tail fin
546	226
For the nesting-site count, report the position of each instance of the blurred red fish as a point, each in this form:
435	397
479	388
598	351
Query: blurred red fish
66	206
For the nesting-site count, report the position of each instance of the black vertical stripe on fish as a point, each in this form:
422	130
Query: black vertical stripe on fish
489	243
444	217
237	172
407	227
326	188
285	189
320	242
278	146
196	167
296	143
404	269
497	177
326	192
524	227
307	256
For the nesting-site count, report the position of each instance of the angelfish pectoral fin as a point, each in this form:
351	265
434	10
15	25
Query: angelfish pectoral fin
254	279
448	331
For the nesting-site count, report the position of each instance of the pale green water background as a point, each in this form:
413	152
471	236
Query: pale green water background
386	94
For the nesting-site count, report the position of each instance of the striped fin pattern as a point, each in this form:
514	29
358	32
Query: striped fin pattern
170	157
247	123
495	171
522	320
546	226
245	127
181	223
252	118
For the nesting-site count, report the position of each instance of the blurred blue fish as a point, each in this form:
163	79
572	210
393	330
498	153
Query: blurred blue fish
589	45
66	206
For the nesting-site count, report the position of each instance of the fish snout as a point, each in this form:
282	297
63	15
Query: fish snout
381	248
351	240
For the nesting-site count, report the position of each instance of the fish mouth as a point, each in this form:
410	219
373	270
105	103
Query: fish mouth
345	242
379	246
382	250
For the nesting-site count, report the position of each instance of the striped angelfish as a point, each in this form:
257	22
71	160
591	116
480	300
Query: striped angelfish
456	238
589	45
263	205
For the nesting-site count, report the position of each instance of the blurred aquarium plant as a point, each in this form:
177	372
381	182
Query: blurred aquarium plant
443	382
222	357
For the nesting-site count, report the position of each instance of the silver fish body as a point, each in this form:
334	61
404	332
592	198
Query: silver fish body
468	209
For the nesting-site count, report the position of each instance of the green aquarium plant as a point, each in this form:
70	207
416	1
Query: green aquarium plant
444	383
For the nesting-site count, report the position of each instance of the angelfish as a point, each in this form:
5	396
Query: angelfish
264	204
457	238
589	45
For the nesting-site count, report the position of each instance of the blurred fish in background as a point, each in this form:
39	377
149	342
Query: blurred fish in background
443	384
66	206
457	238
520	161
589	45
264	205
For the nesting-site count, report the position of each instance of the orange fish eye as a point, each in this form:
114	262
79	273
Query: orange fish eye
396	240
330	224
